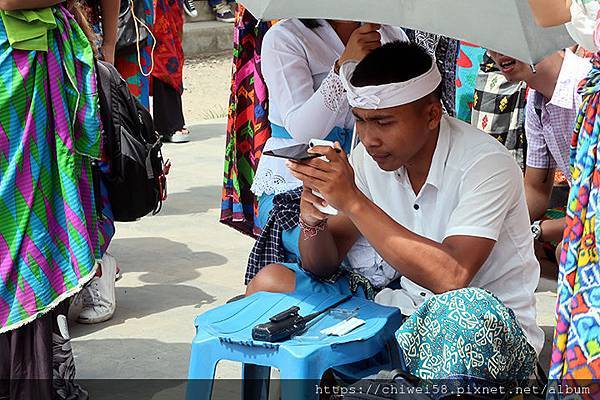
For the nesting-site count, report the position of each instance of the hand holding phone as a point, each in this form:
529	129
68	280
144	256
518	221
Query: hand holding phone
329	210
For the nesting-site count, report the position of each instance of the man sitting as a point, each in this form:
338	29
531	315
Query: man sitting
443	206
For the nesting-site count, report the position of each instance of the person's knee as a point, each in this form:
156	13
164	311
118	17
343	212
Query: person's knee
274	278
468	304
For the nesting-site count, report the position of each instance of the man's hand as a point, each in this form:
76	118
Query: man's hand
362	41
334	179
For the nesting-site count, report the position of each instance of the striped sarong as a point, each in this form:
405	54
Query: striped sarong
49	134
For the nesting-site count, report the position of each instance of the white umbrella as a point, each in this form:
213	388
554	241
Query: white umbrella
506	26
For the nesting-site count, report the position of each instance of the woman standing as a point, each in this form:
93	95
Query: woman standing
49	234
167	77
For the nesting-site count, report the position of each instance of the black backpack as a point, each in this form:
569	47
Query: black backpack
137	181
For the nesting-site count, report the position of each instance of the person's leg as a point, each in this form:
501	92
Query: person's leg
274	278
98	300
26	361
168	112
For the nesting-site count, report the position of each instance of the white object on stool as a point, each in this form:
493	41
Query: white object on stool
344	327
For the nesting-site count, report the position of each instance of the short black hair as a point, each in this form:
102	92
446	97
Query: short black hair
392	63
311	23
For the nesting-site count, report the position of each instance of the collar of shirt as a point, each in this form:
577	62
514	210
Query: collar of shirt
573	70
438	162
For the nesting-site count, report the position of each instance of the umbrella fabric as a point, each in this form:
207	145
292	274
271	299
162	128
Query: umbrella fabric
248	126
576	349
510	31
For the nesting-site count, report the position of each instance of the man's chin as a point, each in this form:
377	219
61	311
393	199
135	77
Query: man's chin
387	166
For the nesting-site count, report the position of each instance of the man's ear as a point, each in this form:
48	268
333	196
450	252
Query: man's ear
435	112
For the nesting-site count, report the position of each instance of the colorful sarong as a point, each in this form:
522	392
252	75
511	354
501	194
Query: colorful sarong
49	133
168	31
248	126
576	350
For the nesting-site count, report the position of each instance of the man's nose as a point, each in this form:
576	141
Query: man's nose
368	137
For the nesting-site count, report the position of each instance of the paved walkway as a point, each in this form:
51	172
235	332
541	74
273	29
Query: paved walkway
178	264
175	265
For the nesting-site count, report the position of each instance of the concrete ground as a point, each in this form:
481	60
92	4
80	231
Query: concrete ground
176	264
183	262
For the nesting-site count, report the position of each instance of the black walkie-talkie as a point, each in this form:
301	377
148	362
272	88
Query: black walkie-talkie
284	325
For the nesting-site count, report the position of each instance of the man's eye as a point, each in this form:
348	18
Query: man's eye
383	123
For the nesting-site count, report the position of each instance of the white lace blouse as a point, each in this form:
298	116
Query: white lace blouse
305	96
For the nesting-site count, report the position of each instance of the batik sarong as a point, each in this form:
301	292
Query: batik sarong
466	334
49	134
576	348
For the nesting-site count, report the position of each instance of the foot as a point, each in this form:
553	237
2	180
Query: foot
190	8
180	136
98	297
223	12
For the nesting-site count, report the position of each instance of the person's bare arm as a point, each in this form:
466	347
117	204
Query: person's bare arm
440	267
551	12
110	20
322	254
10	5
553	230
538	189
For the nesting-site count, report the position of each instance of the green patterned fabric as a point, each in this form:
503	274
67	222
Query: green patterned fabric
466	333
28	29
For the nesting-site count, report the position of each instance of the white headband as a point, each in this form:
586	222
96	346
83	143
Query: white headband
390	95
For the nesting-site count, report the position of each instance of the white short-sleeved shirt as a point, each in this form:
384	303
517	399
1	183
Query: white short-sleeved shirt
474	188
305	96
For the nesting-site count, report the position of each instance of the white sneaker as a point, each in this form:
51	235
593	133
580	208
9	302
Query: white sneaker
98	297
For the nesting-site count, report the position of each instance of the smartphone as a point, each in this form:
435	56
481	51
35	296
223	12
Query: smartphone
297	152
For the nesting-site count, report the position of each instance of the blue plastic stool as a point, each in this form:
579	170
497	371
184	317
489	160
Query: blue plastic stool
225	333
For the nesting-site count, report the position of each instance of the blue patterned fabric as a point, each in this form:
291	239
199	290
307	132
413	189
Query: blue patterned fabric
464	334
